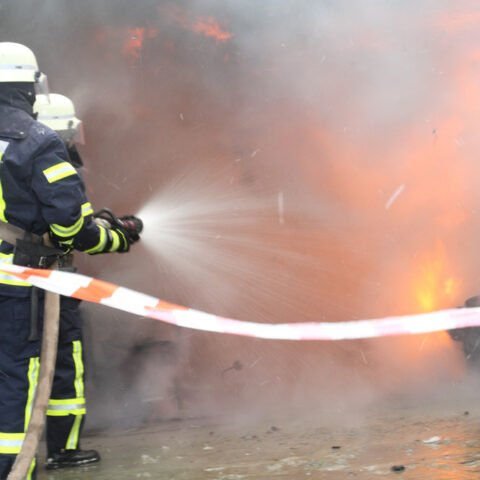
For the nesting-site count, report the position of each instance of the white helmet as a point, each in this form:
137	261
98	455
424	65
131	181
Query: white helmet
58	112
18	64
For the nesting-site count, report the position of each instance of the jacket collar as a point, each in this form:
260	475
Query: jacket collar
14	123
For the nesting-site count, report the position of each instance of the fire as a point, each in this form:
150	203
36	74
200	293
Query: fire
134	42
127	41
435	287
209	27
135	37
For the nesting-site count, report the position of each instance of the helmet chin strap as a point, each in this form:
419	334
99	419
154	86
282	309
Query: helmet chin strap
74	156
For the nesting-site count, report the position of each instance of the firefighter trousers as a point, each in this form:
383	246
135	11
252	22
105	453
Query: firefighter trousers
19	367
66	408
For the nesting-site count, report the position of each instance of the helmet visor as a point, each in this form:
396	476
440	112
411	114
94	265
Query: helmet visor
74	134
41	84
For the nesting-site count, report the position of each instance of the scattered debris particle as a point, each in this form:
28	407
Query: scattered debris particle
148	459
435	439
394	196
214	469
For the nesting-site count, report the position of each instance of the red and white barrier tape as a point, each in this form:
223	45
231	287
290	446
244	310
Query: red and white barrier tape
98	291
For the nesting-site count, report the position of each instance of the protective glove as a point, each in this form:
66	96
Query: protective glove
120	240
122	231
66	246
133	227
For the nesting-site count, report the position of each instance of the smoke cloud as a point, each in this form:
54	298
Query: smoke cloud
293	161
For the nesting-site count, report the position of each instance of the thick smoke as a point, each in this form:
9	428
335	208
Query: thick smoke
311	161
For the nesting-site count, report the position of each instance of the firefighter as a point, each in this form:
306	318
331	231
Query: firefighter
469	337
66	410
41	193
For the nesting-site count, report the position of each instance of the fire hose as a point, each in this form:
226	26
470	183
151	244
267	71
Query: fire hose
42	395
48	356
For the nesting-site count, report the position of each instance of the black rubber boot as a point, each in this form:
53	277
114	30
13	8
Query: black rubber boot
72	458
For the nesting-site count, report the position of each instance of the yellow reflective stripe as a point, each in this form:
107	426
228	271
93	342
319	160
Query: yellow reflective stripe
3	148
31	469
61	402
11	442
33	369
70	406
87	209
2	201
65	413
77	358
10	279
115	241
70	231
99	247
59	171
73	437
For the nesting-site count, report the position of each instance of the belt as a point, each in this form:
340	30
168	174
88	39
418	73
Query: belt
10	233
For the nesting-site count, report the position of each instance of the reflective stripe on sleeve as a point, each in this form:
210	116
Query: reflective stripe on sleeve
61	231
59	171
11	443
62	408
87	209
115	241
100	246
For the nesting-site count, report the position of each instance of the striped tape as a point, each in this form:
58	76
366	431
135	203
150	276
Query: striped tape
105	293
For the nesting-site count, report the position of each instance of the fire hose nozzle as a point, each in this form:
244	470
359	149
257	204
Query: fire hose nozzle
132	224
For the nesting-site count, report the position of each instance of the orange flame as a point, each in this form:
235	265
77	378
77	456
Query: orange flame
209	27
130	40
133	44
435	287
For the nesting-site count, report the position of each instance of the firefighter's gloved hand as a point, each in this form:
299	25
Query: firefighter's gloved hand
120	240
133	226
66	246
102	222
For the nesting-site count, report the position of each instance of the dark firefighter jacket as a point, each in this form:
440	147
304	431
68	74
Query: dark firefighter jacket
40	191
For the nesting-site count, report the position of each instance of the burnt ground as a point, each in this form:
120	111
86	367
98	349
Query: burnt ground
433	437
